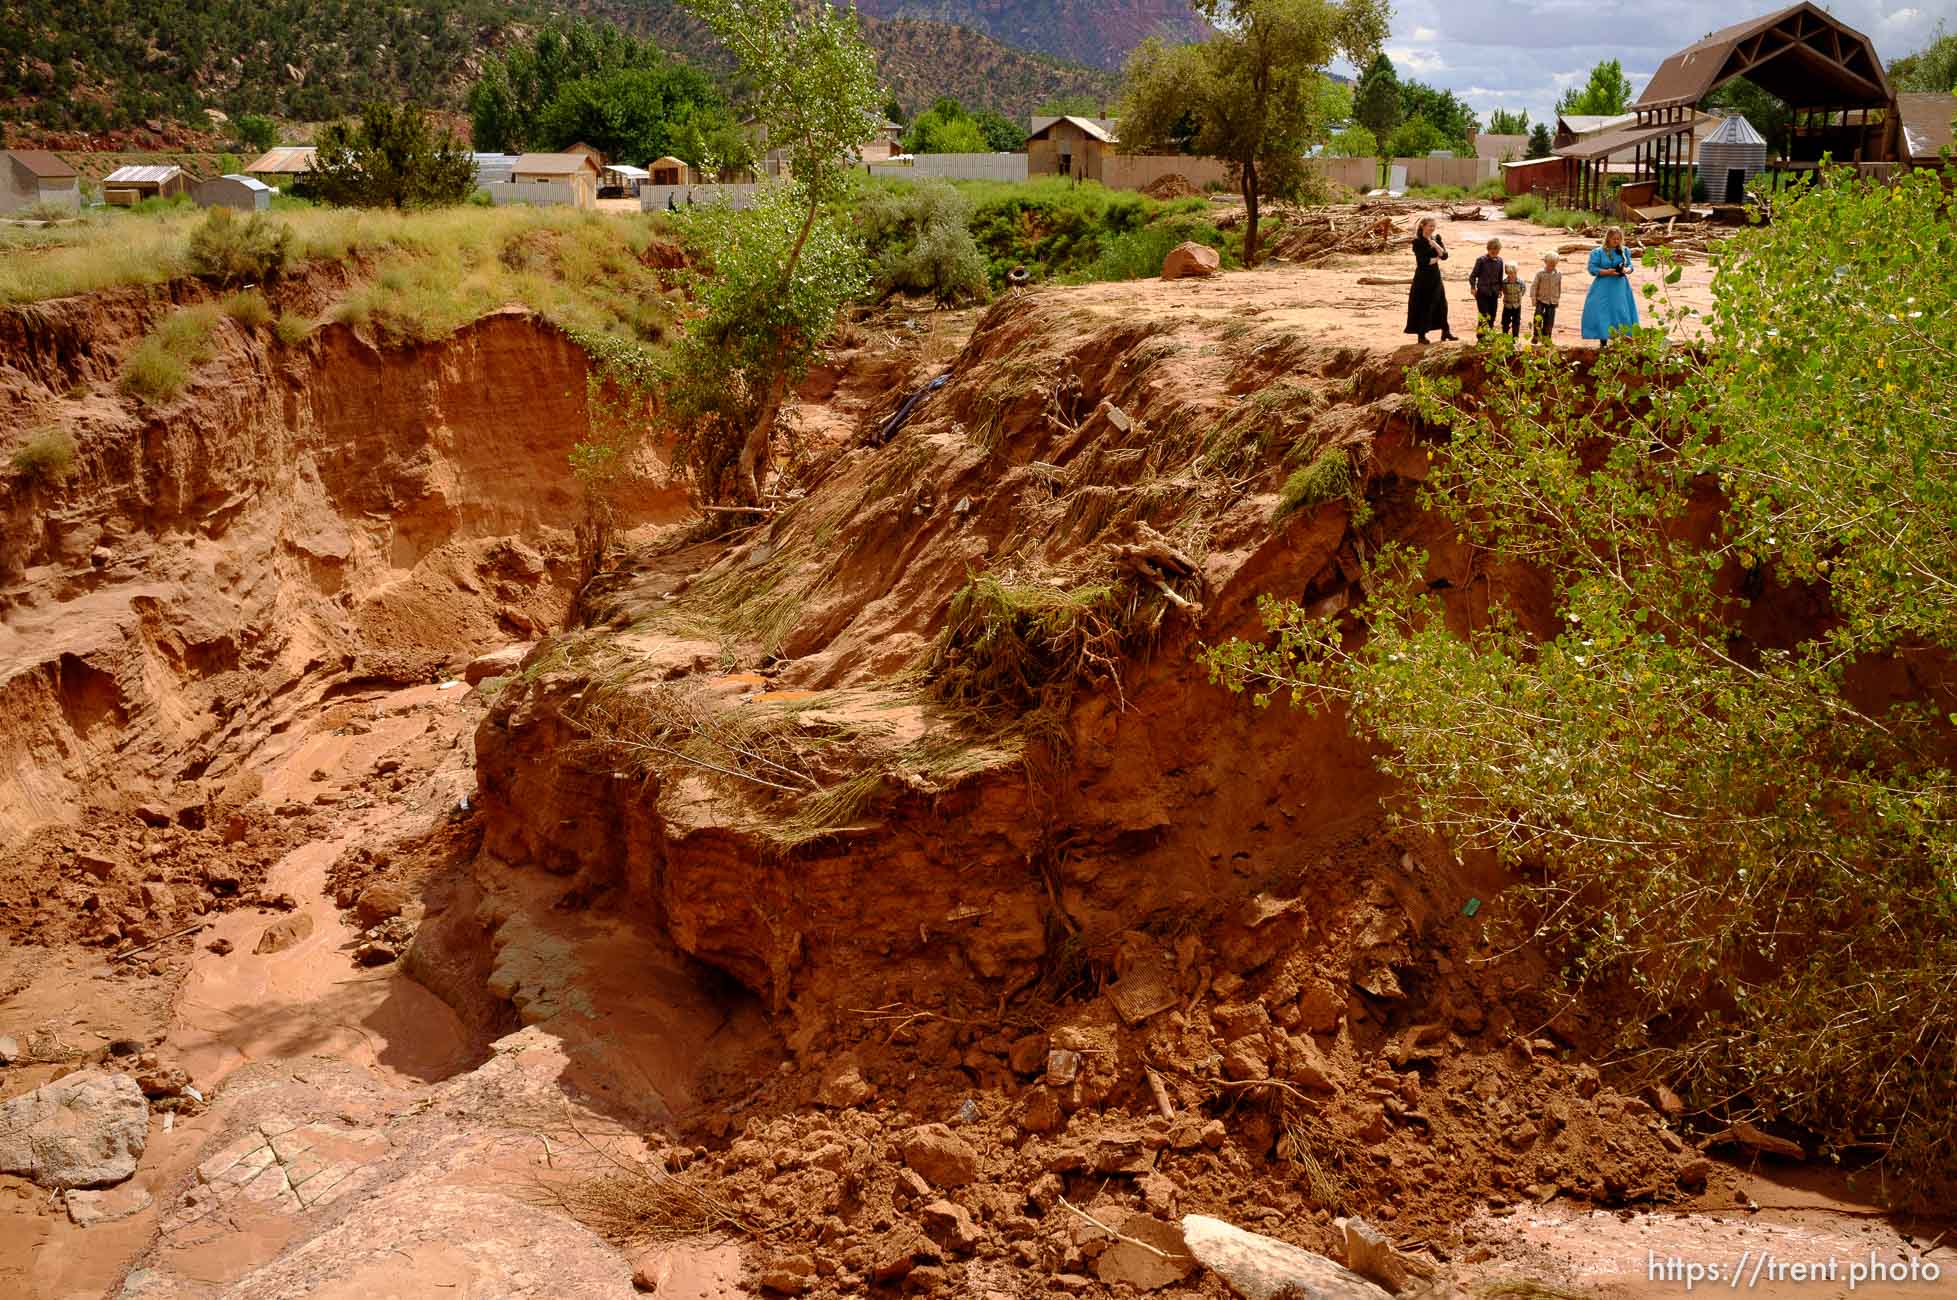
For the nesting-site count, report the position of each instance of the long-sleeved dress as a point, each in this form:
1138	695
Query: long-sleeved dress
1610	305
1427	301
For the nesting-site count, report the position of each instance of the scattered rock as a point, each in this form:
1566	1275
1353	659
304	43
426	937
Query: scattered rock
910	1186
280	935
950	1226
1190	259
789	1275
86	1209
1027	1055
1693	1174
374	954
1260	1268
497	663
379	903
1062	1067
1370	1253
844	1085
9	1050
85	1129
940	1155
222	947
1155	1258
97	865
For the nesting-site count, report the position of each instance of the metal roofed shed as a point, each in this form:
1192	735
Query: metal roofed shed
1730	157
234	191
127	186
1068	146
286	160
1924	118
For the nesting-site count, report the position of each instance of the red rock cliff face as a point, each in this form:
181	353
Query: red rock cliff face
295	510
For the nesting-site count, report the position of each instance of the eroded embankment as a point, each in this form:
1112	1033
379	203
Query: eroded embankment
931	852
294	512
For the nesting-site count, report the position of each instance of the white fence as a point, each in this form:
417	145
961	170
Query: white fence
657	198
957	167
1465	172
538	192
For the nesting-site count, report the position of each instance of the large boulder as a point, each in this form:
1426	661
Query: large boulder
497	663
85	1129
1191	259
1259	1267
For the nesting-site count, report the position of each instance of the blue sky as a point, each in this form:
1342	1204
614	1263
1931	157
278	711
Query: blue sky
1522	54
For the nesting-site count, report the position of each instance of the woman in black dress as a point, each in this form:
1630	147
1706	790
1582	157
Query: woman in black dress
1427	303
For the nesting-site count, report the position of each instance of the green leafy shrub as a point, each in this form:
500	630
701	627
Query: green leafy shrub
919	239
1137	254
249	308
45	459
159	367
1751	854
1056	228
231	250
1524	207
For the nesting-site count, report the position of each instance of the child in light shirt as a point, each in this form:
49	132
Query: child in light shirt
1547	290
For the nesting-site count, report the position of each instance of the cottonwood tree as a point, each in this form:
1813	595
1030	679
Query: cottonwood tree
785	268
1252	96
1504	122
389	157
1606	94
1704	712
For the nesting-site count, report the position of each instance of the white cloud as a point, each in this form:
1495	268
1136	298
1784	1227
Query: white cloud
1425	34
1415	60
1902	18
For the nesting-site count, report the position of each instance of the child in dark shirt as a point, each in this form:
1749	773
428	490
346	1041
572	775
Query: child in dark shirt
1485	282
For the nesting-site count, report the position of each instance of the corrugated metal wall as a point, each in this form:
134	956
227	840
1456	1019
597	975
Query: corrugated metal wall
1718	161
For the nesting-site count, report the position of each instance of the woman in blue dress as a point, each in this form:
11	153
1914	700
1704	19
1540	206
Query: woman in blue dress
1610	307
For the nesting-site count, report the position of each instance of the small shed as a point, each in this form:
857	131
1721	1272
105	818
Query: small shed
589	152
1732	154
493	168
667	171
283	165
575	176
127	186
33	177
1925	127
232	190
1069	146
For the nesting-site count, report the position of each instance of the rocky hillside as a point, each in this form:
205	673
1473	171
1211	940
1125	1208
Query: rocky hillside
1095	32
102	68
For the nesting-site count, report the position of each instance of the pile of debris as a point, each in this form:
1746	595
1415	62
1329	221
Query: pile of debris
1174	185
1684	238
1322	232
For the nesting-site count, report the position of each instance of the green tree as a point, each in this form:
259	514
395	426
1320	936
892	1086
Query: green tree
631	114
1442	109
255	132
945	127
1251	95
894	112
1541	142
1354	142
815	92
389	157
1376	101
1698	562
1415	138
1002	134
508	101
1606	94
1931	69
1504	122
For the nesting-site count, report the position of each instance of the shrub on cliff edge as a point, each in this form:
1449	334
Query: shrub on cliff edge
233	251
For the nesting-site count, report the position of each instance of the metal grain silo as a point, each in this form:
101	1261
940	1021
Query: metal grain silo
1733	154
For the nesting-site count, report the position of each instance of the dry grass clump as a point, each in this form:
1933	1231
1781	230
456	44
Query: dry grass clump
159	367
249	308
45	459
292	328
636	1207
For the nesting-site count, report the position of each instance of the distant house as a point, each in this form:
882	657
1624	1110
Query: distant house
1926	128
625	178
1069	146
127	186
283	165
34	176
493	168
1502	148
589	152
241	193
574	174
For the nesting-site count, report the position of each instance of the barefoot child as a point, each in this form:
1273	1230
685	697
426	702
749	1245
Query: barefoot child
1512	302
1547	292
